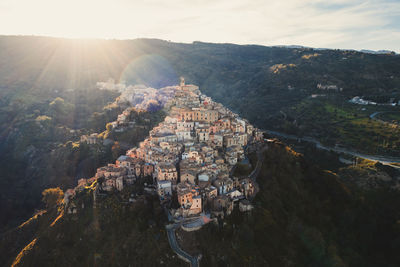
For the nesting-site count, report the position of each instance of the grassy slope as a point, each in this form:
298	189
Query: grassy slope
391	117
334	121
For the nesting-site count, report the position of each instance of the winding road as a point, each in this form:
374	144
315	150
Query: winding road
260	158
382	159
194	261
373	115
194	222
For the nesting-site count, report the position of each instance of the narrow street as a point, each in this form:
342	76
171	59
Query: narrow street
260	158
194	261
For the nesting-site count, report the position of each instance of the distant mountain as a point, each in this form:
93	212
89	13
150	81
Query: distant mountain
256	81
377	52
227	72
292	46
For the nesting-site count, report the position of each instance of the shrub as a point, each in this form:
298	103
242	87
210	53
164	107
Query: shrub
52	197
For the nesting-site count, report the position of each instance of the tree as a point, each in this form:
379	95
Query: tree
116	150
61	111
109	127
44	120
52	197
57	105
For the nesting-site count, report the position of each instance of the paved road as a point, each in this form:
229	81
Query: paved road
260	158
373	115
382	159
194	261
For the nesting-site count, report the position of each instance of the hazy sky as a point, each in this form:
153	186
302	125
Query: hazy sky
369	24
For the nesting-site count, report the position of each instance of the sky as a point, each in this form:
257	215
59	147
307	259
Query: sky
343	24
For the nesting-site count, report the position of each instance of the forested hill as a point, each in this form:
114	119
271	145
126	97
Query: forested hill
29	63
270	86
252	79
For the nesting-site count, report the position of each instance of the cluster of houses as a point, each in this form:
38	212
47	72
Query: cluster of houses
139	97
358	100
142	97
89	139
190	156
123	122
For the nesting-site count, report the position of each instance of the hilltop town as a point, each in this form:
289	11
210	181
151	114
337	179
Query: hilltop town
316	202
190	157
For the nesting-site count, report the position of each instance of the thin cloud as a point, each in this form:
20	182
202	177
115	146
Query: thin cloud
371	24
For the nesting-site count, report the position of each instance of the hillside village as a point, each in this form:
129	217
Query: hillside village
190	156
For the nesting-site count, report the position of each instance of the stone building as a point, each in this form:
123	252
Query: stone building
167	171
